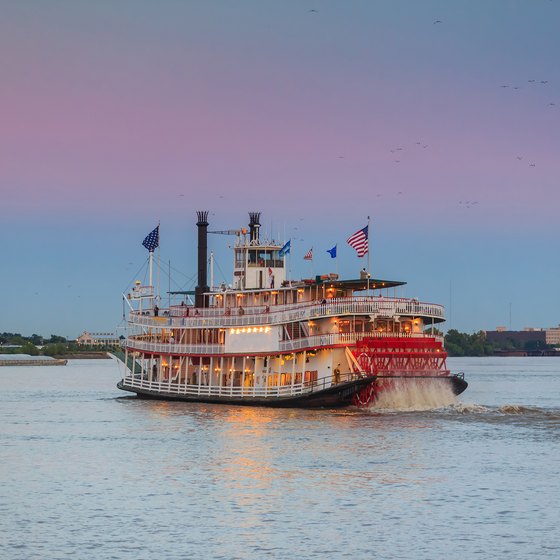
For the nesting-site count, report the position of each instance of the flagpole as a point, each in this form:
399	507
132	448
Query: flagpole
159	264
336	259
289	259
368	261
151	242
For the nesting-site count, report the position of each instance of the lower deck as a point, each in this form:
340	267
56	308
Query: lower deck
319	393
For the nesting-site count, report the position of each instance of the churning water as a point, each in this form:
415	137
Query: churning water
88	472
414	395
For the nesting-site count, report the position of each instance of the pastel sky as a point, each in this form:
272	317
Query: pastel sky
439	119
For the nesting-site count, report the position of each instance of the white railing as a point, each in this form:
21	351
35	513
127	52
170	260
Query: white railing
172	348
265	315
218	391
333	339
313	341
173	387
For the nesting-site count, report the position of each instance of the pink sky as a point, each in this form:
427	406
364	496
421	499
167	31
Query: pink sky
110	112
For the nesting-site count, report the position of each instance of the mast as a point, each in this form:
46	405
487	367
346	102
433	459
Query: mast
211	271
368	253
151	261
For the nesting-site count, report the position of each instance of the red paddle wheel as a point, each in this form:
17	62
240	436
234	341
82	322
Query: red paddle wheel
397	358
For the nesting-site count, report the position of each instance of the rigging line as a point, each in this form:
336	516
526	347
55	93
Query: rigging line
138	272
182	287
220	269
188	278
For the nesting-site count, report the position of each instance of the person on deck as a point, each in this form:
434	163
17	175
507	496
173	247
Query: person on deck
337	374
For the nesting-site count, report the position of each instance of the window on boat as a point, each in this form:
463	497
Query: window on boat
265	258
240	258
344	326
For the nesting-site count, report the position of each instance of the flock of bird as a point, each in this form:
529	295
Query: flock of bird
398	150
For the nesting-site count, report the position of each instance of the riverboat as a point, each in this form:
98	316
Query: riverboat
266	340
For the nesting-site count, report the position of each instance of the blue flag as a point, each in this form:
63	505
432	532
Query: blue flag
286	249
332	252
152	240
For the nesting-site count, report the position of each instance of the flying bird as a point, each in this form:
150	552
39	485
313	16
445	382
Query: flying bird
437	21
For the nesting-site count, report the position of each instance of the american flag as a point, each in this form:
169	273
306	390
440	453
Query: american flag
309	255
359	241
152	240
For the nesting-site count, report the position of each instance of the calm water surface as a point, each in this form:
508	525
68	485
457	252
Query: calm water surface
88	472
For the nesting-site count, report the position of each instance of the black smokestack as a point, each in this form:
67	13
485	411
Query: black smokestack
202	258
254	225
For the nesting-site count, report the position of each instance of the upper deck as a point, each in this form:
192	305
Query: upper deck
179	316
260	295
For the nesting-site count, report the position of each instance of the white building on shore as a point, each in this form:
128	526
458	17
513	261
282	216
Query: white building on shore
98	339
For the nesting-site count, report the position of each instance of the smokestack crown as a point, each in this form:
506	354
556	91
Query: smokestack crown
254	225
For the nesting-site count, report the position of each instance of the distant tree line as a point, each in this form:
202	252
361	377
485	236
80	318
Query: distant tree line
464	344
36	345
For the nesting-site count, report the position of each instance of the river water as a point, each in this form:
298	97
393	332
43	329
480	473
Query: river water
88	472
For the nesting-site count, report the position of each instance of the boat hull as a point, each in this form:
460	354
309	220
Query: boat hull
337	396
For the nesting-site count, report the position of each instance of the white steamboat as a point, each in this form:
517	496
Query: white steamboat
270	341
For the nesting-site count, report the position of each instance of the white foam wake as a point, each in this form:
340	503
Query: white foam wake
414	395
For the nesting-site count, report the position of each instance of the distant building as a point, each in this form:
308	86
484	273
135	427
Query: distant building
553	336
503	337
98	339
